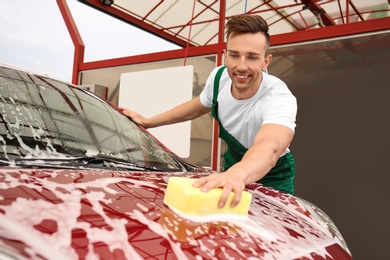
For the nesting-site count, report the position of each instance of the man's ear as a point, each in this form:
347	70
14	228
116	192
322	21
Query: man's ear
267	61
224	56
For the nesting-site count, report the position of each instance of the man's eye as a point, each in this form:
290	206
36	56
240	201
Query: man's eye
234	55
253	57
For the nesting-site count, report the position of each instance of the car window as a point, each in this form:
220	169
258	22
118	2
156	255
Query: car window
44	118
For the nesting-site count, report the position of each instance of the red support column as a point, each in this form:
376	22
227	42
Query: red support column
221	40
76	39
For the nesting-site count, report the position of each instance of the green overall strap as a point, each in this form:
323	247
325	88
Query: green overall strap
214	110
235	150
280	177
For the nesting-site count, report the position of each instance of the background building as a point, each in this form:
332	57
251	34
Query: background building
334	56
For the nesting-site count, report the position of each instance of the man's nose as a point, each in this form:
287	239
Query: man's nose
242	64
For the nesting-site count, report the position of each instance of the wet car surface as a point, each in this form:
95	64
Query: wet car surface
79	180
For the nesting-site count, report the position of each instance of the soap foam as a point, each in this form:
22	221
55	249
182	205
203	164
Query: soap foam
265	226
245	222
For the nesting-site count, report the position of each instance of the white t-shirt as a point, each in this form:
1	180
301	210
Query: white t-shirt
273	103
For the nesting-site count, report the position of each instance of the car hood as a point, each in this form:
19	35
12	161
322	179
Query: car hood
91	214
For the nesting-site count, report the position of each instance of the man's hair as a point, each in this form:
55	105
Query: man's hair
240	24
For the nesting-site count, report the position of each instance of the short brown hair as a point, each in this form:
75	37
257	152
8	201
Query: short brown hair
240	24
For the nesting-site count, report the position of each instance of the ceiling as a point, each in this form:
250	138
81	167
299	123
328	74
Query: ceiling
196	23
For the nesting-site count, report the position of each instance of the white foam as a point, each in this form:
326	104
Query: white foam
261	227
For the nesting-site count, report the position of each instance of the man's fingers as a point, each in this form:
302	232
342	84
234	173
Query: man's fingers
236	198
217	180
200	182
225	195
125	111
206	183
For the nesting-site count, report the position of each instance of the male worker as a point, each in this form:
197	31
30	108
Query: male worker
256	114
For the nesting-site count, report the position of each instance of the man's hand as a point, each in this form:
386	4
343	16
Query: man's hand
137	118
228	183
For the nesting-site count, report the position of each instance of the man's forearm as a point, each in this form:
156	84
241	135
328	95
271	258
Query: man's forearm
187	111
271	141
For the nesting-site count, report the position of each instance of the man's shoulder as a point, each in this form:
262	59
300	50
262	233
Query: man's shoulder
216	69
276	84
274	80
219	69
223	77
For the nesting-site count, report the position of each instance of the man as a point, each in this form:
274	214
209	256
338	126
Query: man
256	114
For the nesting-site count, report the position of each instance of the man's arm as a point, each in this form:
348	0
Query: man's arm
187	111
270	142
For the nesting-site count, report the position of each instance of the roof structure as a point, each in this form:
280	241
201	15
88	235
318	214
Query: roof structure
198	26
197	22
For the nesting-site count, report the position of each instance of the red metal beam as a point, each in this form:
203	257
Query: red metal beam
280	13
316	9
279	39
199	13
152	10
356	11
117	13
332	31
76	39
151	57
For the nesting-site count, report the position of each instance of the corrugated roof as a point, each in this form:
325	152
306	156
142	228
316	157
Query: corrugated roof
174	17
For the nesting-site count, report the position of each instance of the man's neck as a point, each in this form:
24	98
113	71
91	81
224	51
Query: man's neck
247	93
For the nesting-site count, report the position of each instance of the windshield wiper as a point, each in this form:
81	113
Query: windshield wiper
116	164
82	162
4	161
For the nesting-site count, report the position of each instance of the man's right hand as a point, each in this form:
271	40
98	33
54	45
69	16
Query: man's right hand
137	118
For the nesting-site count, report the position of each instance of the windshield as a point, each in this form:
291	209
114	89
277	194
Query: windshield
42	118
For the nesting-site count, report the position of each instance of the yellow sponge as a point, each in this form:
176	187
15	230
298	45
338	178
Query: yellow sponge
181	196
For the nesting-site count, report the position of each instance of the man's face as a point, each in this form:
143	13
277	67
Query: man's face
245	60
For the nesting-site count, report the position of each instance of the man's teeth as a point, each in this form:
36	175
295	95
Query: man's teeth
242	76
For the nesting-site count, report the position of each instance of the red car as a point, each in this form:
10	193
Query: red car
79	180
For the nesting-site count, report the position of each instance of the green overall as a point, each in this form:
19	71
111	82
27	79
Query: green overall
281	177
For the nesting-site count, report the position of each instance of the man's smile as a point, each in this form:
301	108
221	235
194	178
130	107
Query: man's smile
242	76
